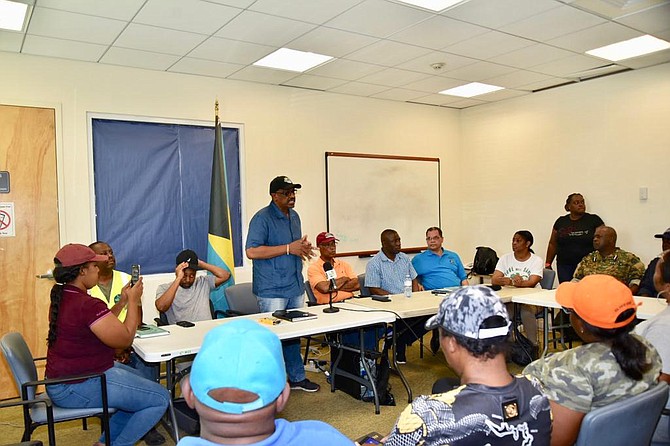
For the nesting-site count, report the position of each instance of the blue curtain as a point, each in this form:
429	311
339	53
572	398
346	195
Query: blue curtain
152	187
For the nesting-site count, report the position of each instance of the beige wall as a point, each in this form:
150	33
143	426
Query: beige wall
505	166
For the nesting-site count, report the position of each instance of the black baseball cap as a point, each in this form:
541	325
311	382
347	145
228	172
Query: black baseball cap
666	234
282	182
189	256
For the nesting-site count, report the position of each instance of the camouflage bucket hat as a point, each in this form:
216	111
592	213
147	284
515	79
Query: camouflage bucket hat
464	311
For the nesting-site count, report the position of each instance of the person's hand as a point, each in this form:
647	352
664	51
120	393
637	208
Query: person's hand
179	270
133	294
516	280
122	355
421	288
301	248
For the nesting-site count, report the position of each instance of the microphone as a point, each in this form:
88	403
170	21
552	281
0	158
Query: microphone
330	275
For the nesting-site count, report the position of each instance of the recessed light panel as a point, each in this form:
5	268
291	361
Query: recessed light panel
292	60
471	89
433	5
638	46
12	15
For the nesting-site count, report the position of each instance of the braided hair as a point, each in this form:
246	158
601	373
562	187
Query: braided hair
63	276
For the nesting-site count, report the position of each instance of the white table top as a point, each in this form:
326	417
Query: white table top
649	307
187	341
425	303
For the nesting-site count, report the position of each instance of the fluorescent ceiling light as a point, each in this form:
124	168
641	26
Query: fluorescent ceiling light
630	48
292	60
433	5
13	15
471	89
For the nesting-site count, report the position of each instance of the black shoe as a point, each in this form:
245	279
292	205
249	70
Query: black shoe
435	342
400	355
305	385
153	438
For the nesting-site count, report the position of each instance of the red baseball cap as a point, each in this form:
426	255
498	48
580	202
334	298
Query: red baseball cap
76	254
325	237
598	299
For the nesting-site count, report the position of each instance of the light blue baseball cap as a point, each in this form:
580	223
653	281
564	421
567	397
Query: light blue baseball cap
240	354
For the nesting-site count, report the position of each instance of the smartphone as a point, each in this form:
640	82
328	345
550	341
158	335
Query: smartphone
185	324
134	274
371	438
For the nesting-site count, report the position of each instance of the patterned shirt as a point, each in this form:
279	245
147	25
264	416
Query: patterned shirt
382	272
589	376
622	265
475	414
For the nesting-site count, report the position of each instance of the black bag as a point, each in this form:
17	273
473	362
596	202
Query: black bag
485	261
523	352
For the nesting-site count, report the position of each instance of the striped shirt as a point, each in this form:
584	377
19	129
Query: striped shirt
382	272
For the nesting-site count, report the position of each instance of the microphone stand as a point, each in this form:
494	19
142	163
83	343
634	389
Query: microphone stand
330	308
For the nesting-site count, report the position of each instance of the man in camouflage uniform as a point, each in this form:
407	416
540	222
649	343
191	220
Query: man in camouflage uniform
607	259
490	406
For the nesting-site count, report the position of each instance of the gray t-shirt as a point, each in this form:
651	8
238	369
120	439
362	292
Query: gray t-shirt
190	304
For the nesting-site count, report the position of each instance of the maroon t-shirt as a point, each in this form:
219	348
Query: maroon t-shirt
77	349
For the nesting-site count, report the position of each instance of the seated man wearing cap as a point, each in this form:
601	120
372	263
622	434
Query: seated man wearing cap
490	406
647	287
187	297
346	280
238	386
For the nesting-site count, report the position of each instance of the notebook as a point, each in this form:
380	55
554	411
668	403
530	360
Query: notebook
294	315
150	331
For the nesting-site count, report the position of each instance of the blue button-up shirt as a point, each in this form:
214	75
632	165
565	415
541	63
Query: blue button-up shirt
382	272
279	276
439	271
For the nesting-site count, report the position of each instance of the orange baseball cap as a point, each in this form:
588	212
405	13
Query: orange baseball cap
598	299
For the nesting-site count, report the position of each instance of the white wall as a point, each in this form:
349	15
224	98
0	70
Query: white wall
605	138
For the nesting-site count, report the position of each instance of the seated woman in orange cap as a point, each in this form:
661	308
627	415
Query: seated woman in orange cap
611	364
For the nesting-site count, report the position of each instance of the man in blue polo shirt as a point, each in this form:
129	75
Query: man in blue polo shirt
438	268
277	247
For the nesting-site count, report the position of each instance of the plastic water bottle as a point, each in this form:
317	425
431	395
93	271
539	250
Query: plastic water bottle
408	286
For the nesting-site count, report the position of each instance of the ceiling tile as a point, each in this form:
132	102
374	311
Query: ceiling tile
488	45
531	55
73	26
553	23
314	82
399	94
500	95
594	37
265	29
570	65
201	67
117	9
434	84
437	32
465	103
436	99
424	64
651	21
345	69
186	15
333	42
312	11
648	60
66	49
517	78
233	51
615	8
359	89
10	41
377	18
478	71
387	53
534	86
264	75
138	59
499	12
393	77
236	3
158	40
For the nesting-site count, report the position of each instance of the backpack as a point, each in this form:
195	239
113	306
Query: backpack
485	261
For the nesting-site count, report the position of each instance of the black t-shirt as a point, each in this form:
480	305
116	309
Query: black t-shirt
575	237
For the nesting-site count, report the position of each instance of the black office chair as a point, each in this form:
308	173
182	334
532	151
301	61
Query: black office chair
365	291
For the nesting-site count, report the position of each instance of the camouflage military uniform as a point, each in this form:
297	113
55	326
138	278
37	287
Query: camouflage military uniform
475	414
622	265
587	377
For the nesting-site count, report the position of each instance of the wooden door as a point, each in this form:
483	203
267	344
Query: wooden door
28	152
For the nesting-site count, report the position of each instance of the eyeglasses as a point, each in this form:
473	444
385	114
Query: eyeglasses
287	193
433	239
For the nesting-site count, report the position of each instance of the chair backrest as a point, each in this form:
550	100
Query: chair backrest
627	422
548	276
20	360
365	291
241	299
311	298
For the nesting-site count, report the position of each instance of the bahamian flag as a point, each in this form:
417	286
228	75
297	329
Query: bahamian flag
219	236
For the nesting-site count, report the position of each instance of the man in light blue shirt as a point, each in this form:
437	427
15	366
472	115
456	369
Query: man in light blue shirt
437	267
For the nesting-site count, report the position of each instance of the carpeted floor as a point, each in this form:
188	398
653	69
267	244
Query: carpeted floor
352	417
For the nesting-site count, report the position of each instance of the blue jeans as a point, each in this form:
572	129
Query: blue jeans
140	403
295	369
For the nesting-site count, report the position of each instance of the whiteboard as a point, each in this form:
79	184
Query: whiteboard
369	193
